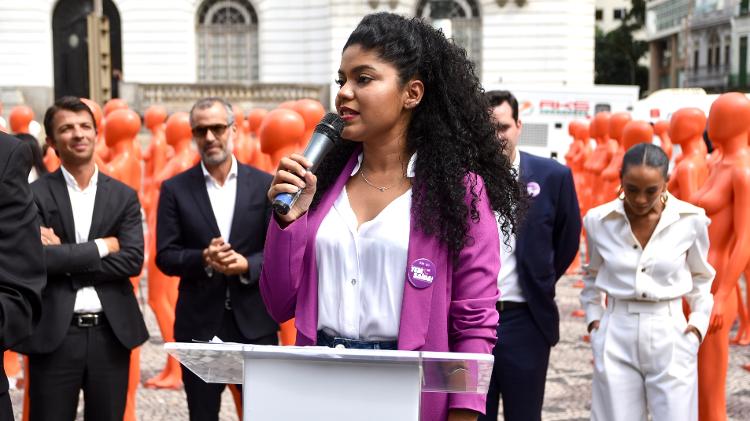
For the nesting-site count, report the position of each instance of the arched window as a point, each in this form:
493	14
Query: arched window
466	23
227	41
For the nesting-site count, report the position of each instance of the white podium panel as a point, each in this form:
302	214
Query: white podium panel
313	383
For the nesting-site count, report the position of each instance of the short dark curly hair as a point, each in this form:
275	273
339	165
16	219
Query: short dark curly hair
68	103
451	130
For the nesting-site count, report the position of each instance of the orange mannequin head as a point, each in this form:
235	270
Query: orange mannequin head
573	128
178	128
582	132
617	122
729	117
19	119
600	127
114	104
122	126
687	124
154	116
255	117
281	128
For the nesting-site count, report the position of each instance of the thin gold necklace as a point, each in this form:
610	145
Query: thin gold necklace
381	188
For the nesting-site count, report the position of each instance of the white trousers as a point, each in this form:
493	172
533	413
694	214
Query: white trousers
644	363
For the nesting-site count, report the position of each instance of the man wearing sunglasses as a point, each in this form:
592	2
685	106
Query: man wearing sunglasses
211	229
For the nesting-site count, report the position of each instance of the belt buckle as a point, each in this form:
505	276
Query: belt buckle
87	320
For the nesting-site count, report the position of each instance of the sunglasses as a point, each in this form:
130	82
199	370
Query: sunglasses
218	130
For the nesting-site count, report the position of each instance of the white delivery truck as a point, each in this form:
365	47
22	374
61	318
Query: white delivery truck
546	111
661	104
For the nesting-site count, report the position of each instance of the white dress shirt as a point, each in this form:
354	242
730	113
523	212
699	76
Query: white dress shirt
82	205
361	271
673	264
507	279
222	198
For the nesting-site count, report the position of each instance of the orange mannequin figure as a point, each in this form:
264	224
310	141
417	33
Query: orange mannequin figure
726	197
661	129
686	129
241	148
257	158
179	136
156	154
281	133
162	289
312	112
115	104
574	161
102	151
582	156
51	161
603	153
611	174
743	312
572	129
122	128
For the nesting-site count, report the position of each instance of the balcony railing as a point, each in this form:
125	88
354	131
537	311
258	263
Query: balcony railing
180	97
708	77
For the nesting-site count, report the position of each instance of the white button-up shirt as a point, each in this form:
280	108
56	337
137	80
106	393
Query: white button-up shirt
507	278
361	271
222	198
672	265
82	205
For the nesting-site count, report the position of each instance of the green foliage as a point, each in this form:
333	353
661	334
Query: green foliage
617	52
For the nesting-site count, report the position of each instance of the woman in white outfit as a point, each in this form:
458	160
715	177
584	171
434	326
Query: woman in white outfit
647	251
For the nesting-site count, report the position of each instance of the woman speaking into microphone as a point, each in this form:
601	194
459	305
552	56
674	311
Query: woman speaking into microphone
393	242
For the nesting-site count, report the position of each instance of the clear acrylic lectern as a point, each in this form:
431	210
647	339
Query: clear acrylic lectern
311	383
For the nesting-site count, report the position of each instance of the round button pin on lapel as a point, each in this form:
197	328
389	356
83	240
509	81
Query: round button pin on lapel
533	188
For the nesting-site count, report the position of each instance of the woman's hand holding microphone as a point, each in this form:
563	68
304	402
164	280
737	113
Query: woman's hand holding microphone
290	177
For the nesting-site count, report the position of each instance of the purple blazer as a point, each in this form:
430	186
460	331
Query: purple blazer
456	312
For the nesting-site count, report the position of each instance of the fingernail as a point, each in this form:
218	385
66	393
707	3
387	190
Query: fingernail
303	172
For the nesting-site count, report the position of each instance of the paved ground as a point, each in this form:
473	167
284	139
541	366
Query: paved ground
568	382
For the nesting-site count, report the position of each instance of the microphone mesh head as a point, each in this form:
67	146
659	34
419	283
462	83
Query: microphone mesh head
331	125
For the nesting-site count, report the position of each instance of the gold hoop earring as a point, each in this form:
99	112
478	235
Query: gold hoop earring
621	195
664	197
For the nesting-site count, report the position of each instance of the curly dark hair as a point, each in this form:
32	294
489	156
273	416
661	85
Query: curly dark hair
451	130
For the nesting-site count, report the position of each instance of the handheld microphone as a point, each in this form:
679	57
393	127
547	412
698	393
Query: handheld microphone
326	135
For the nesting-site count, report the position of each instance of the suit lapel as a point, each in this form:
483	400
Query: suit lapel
59	191
526	175
100	203
202	201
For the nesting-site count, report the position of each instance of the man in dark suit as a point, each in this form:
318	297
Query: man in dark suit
22	274
211	227
93	240
547	242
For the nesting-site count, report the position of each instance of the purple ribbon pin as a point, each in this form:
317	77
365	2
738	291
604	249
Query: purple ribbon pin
533	188
421	273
